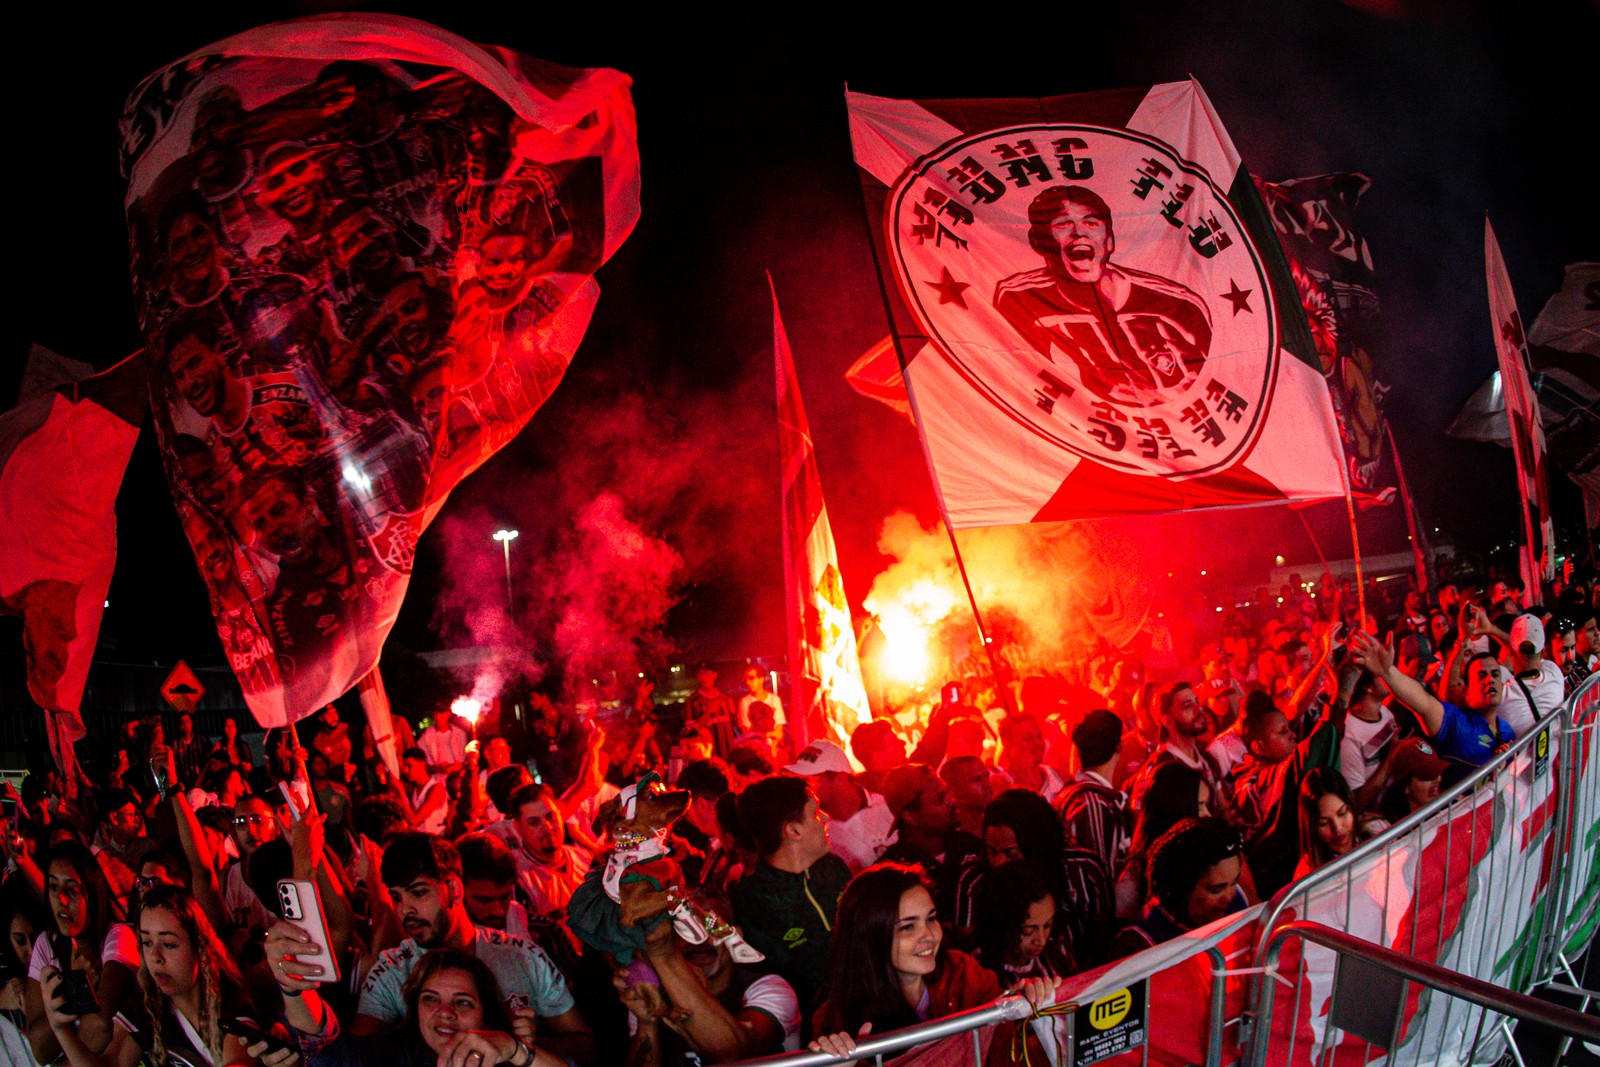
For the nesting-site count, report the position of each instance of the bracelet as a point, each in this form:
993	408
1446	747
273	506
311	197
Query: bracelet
527	1058
288	994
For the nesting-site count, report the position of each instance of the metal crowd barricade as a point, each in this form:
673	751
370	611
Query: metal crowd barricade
1496	883
1373	981
1215	952
1577	845
1475	882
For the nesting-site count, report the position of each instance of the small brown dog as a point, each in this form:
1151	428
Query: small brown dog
645	880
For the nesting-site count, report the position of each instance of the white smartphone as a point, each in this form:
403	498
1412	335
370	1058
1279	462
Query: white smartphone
301	904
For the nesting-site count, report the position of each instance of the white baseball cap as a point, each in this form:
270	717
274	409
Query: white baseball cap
819	757
1527	630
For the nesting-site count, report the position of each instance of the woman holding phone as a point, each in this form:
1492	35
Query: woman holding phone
189	996
455	1015
96	956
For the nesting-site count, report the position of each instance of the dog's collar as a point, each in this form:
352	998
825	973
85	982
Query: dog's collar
629	840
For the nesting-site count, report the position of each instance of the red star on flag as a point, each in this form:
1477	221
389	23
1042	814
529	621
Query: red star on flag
1239	298
949	289
1511	330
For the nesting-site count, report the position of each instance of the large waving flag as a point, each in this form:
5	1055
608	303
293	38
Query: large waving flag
1331	264
824	670
363	256
1522	410
63	452
1564	348
1095	314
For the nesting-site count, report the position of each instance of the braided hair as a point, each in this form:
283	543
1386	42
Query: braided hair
216	972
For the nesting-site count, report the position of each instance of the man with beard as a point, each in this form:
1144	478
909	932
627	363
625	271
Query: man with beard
192	252
293	186
422	874
1184	722
548	869
322	593
1135	338
929	834
401	333
371	260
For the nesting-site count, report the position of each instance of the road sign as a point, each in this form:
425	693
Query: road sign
182	689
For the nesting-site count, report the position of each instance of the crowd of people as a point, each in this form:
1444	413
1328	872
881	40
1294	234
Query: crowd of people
469	909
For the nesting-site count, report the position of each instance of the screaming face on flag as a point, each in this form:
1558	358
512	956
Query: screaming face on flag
363	255
1094	313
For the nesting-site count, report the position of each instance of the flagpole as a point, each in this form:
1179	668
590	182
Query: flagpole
1355	545
1421	550
938	493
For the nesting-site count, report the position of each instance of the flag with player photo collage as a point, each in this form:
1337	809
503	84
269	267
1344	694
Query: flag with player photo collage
1094	313
363	255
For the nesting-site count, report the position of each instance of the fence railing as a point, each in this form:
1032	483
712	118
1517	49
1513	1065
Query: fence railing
1464	883
1371	987
1496	883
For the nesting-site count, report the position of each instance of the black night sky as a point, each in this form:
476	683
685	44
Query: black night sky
1454	110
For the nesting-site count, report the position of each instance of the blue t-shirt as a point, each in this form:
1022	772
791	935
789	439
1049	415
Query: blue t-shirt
1465	737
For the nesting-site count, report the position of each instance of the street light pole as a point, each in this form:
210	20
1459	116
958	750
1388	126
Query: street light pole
505	537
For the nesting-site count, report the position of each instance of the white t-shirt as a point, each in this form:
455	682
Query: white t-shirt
863	837
244	907
449	746
1228	749
1363	746
418	795
771	700
1548	690
121	945
1050	788
549	886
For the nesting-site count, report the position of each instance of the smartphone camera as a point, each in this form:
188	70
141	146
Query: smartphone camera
288	901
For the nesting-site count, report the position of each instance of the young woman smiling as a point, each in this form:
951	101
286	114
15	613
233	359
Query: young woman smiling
889	968
455	1017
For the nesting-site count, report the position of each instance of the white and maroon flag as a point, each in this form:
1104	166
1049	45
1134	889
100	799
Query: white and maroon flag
1096	316
363	256
63	451
824	671
1522	411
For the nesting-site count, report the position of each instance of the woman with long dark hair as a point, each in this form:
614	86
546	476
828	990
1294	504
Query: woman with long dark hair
1176	792
22	916
1194	880
1016	915
1021	825
87	938
454	1013
1328	826
188	987
889	968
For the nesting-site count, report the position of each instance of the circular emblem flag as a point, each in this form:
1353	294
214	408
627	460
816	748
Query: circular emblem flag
1096	287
